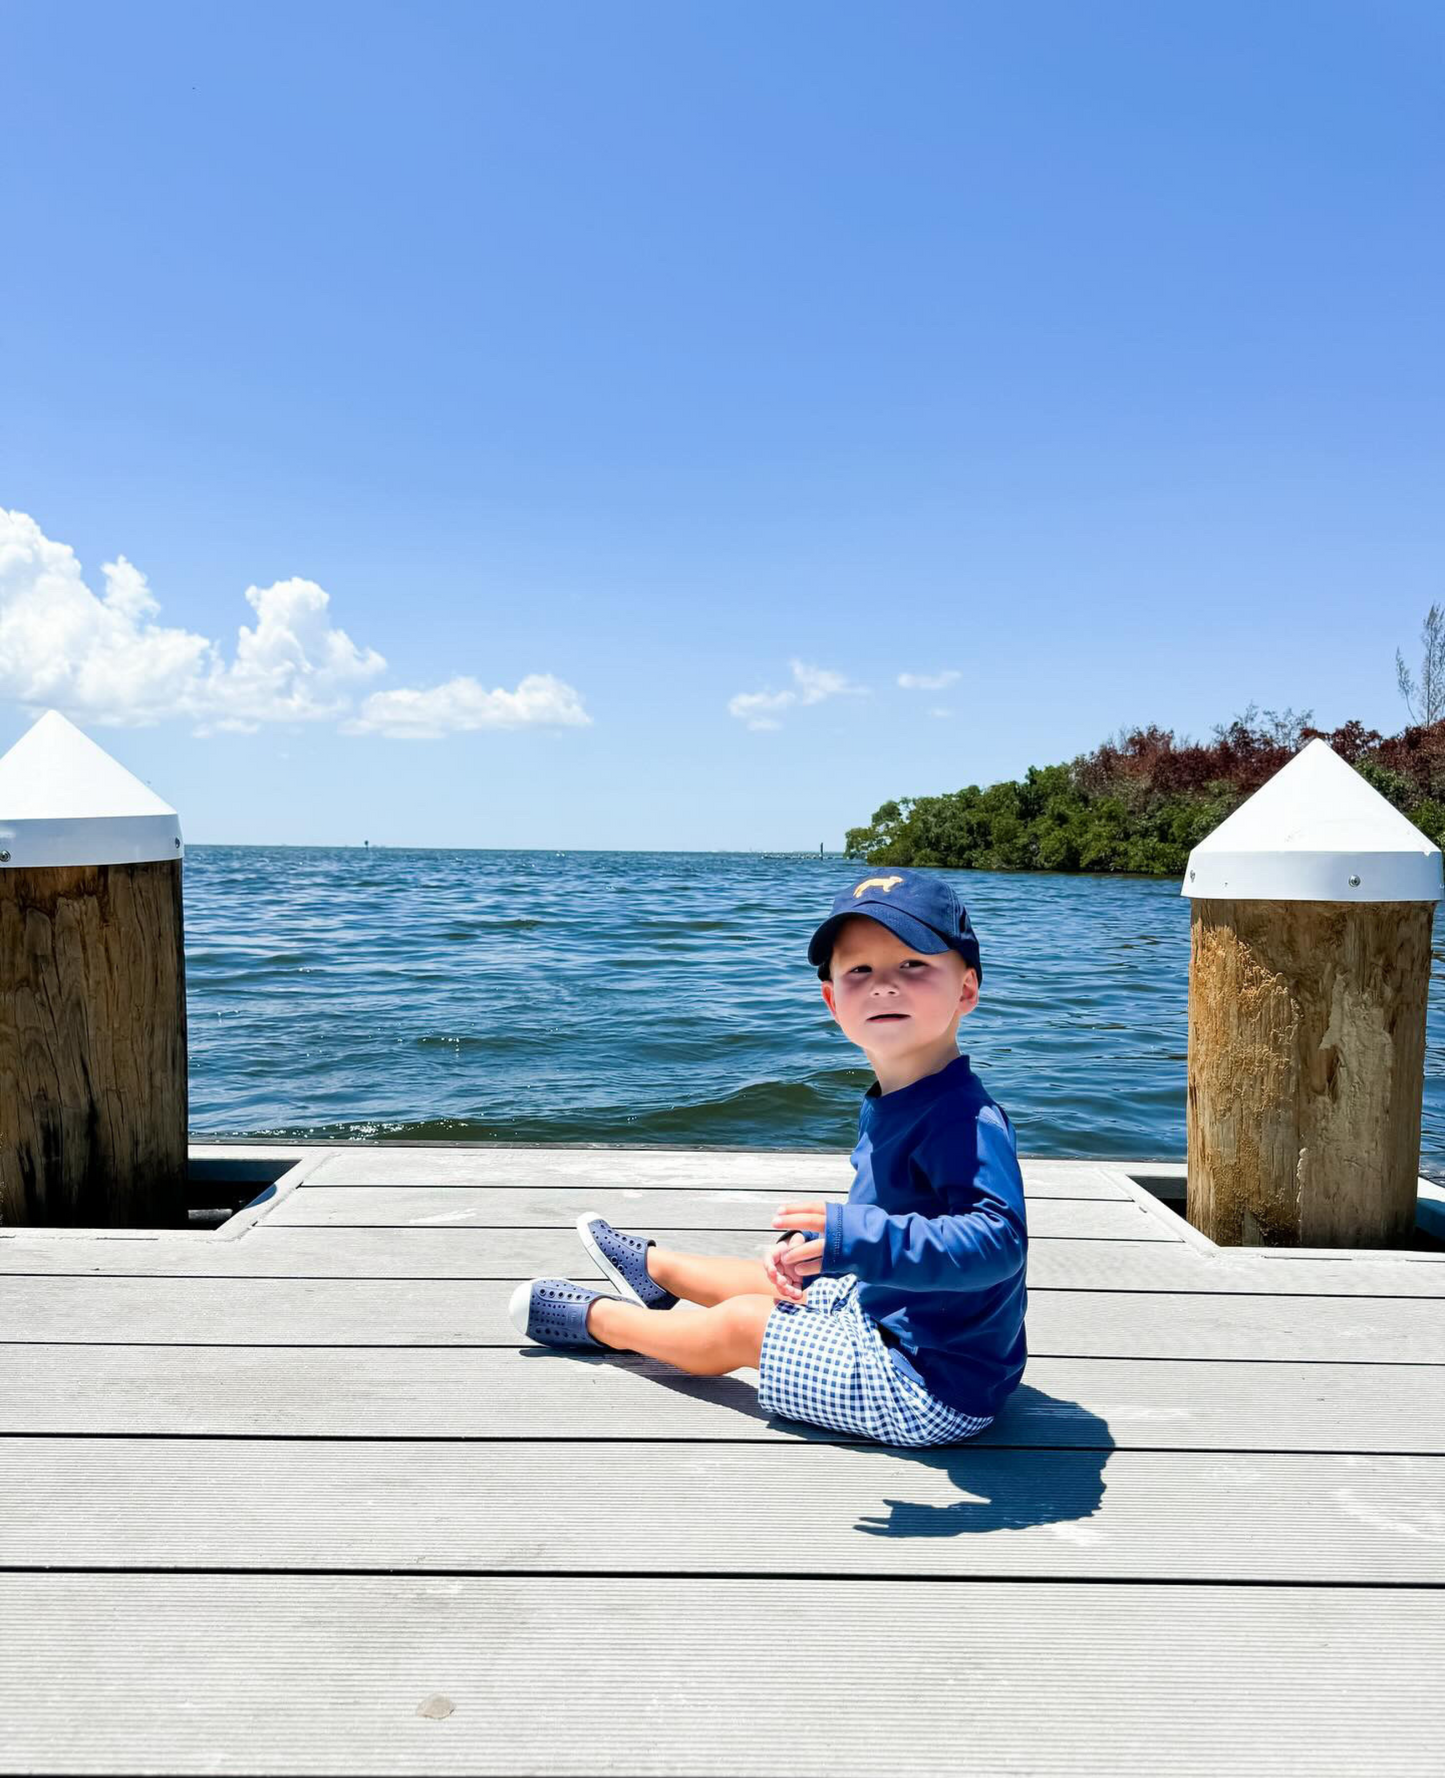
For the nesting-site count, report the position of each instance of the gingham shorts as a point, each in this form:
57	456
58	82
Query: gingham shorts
824	1361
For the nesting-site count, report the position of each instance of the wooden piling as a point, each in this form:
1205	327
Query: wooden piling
93	1101
1306	1061
1308	977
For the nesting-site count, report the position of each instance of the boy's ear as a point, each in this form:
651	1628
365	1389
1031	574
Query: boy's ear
968	993
827	988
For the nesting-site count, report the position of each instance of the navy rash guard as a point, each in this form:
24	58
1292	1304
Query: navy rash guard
934	1230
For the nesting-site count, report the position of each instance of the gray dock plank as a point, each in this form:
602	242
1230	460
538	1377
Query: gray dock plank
725	1509
1054	1262
320	1673
527	1169
532	1393
651	1169
376	1206
317	1395
500	1207
368	1312
464	1207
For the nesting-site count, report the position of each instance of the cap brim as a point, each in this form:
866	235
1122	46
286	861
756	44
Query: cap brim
913	932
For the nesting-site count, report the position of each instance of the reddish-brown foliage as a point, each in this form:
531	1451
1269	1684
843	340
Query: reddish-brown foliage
1350	740
1149	761
1417	754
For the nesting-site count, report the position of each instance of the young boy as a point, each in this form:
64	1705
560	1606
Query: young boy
898	1316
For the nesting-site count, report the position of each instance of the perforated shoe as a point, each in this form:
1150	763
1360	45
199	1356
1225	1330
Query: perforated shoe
553	1312
623	1259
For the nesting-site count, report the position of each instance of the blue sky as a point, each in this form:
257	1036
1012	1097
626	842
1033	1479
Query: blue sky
586	366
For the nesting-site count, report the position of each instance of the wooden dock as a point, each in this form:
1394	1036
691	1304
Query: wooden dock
291	1496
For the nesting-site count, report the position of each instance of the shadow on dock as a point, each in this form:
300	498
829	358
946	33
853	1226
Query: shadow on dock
1005	1487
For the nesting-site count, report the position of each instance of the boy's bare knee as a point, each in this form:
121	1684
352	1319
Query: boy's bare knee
722	1338
728	1336
741	1320
737	1315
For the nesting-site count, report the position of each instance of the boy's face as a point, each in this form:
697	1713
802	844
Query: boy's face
893	1001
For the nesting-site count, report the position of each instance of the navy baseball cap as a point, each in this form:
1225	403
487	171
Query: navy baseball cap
921	910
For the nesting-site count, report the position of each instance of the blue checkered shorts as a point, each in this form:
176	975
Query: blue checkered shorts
824	1361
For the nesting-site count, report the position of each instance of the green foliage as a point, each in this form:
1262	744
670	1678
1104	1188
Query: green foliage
1429	816
1394	786
1141	803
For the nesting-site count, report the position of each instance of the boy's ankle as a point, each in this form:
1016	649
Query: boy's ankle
597	1312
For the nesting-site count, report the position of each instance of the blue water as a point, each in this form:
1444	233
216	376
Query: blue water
656	998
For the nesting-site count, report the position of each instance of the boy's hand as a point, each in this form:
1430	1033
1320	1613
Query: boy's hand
796	1256
778	1262
811	1218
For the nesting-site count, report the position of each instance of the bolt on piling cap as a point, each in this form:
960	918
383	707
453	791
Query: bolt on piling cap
65	801
1315	832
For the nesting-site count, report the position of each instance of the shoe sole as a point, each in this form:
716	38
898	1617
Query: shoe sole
600	1259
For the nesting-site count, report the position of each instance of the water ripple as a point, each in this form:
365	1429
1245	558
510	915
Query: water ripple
656	997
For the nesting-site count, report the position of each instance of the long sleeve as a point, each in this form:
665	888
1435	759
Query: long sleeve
967	1249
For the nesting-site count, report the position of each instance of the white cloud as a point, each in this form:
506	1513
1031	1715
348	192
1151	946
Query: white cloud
463	704
110	661
760	709
816	683
811	685
929	681
939	710
294	666
60	644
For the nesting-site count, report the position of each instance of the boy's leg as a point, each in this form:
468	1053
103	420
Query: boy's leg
723	1338
707	1278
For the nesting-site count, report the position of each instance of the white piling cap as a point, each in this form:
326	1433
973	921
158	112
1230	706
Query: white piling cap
1315	832
65	801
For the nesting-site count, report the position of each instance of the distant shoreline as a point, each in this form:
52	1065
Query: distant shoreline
839	858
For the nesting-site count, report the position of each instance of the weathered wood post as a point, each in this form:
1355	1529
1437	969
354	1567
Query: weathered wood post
1309	966
92	990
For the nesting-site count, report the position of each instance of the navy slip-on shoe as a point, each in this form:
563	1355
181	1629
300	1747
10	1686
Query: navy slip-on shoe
553	1312
623	1259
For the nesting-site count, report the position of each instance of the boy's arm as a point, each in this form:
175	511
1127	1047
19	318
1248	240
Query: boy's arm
968	1250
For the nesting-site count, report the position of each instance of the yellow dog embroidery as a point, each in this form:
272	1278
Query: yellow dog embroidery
883	883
